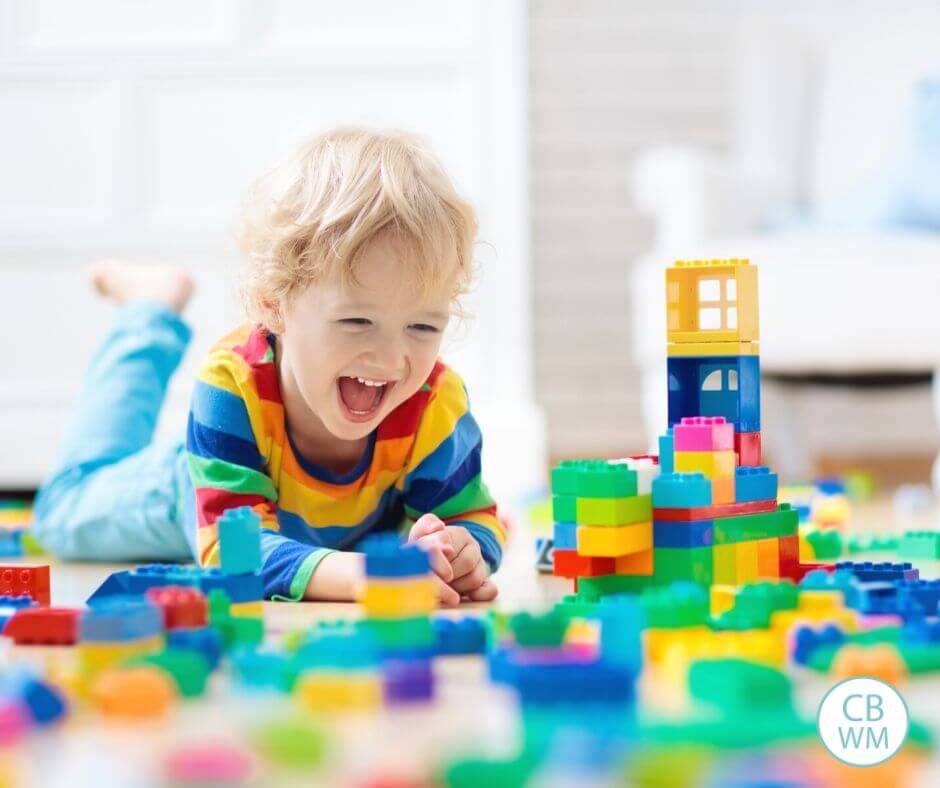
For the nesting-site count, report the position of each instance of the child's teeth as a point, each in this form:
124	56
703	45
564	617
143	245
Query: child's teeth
370	382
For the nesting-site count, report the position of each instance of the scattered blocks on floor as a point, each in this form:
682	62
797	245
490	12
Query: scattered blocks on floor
465	635
239	540
920	544
47	626
867	571
26	580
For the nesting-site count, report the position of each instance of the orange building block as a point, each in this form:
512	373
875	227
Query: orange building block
880	662
141	692
768	559
723	490
640	563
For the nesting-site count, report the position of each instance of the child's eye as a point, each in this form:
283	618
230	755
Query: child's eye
355	321
425	327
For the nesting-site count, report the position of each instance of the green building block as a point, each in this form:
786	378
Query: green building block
188	669
614	511
292	743
594	588
675	606
531	629
593	479
826	543
671	564
564	508
868	543
571	606
754	604
401	632
472	773
669	766
240	631
920	544
737	685
761	525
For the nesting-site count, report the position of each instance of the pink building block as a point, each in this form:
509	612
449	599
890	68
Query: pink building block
703	433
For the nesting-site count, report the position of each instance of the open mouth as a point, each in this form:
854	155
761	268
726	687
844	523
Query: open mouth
361	398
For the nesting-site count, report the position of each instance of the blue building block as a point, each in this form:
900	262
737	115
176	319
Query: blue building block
925	592
388	556
694	533
239	541
622	619
573	683
206	641
11	543
681	490
459	636
921	632
754	483
136	582
263	669
45	703
877	598
726	386
119	618
807	640
869	572
840	580
352	650
667	452
566	536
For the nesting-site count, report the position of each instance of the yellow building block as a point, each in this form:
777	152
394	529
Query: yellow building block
640	563
657	641
688	349
610	541
583	632
247	609
820	602
725	564
784	620
96	657
768	559
712	464
721	598
339	690
413	596
746	557
712	301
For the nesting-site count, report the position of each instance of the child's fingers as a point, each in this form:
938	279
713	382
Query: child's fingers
447	596
426	524
466	560
472	580
440	564
485	593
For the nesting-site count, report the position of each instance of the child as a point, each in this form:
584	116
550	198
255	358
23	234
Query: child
329	413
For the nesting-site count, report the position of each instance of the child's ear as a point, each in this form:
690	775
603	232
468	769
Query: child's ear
272	316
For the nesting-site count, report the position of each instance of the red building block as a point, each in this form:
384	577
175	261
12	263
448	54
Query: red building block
47	626
747	448
26	580
569	564
713	512
789	557
182	606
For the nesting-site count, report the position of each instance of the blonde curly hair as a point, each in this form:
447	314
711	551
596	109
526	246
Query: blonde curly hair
310	218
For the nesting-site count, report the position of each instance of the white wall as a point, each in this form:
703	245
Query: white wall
133	128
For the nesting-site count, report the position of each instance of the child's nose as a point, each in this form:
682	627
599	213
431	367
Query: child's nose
389	356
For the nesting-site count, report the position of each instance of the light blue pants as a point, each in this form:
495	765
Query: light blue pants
113	493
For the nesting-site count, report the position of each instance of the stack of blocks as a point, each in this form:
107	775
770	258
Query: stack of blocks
710	514
398	600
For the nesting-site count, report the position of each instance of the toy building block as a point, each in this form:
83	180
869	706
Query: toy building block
387	556
594	588
26	580
568	563
692	564
294	745
711	301
882	662
711	464
640	563
694	533
867	571
405	597
51	626
925	593
239	540
864	543
614	511
826	543
646	467
667	452
565	536
206	641
614	540
594	479
723	490
789	548
715	385
713	512
768	559
920	544
703	433
135	692
322	691
10	604
681	490
807	640
747	448
408	680
762	525
465	635
120	619
725	564
676	606
238	588
746	555
564	508
185	667
180	606
692	349
754	483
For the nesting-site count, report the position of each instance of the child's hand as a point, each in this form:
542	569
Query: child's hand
430	534
468	574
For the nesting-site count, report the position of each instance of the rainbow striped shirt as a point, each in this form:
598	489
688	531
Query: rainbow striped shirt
424	457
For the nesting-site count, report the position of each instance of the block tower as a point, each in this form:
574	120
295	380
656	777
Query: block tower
712	507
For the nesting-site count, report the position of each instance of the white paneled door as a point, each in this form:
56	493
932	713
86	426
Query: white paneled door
134	128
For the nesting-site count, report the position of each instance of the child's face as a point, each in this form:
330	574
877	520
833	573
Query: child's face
379	331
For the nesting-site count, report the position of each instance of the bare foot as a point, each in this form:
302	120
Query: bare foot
123	282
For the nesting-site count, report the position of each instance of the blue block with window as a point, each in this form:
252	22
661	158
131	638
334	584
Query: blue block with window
726	386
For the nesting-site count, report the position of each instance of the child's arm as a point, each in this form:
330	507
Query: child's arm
444	477
227	468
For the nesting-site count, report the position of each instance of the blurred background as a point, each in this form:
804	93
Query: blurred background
600	140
